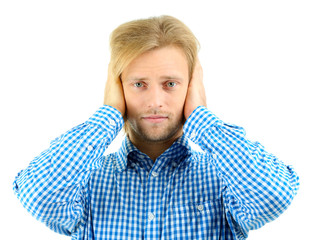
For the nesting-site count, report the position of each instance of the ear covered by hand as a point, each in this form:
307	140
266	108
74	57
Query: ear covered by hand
196	92
114	95
195	97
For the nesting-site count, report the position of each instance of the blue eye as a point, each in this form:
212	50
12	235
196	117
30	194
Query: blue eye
171	84
138	84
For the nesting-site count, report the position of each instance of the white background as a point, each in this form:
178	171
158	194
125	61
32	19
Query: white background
256	58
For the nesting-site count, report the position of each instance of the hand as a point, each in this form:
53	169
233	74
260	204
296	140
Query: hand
196	92
114	95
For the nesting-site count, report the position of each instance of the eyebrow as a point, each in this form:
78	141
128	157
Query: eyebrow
165	77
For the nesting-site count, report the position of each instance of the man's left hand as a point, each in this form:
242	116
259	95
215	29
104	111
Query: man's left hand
196	92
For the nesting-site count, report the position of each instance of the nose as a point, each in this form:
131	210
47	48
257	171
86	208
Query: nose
155	97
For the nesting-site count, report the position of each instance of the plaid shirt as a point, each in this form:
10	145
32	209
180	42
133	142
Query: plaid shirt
222	192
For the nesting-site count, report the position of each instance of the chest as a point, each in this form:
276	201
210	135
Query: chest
173	203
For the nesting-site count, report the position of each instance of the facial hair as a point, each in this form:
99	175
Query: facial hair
156	132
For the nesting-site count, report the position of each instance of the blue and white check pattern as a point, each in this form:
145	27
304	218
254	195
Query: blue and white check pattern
229	188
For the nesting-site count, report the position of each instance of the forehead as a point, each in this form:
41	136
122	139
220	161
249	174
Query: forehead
165	62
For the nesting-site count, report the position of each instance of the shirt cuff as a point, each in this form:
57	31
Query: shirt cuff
200	120
107	116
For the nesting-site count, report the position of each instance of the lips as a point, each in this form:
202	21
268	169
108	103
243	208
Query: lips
155	118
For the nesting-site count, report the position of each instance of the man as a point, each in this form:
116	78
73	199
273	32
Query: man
156	186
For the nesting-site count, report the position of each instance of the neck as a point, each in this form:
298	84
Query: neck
152	149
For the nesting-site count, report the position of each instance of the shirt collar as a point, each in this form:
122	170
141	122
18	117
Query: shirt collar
174	155
126	148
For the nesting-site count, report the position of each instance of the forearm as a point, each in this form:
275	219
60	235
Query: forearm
54	180
259	187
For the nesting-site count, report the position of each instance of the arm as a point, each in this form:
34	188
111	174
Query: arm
258	187
52	187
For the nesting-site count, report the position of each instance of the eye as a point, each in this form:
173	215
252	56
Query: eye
138	84
171	84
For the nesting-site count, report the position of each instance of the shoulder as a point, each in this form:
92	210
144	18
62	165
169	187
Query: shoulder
201	176
200	159
203	164
105	168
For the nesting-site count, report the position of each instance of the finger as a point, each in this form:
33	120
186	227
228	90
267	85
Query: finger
197	74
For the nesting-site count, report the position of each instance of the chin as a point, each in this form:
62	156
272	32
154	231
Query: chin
158	133
161	136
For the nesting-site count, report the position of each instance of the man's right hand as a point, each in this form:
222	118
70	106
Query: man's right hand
114	95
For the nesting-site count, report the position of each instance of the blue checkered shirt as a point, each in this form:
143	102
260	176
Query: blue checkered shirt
230	187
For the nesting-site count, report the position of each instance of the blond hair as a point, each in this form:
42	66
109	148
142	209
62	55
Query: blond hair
134	38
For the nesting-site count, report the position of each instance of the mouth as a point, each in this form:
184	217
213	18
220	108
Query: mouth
155	118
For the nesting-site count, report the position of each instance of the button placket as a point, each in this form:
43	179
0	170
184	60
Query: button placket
151	198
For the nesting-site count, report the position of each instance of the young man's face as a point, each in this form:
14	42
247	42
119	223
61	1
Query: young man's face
155	86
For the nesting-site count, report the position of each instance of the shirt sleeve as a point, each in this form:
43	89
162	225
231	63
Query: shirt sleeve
258	186
52	187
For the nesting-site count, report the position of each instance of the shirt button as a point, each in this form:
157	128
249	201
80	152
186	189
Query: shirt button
200	207
155	174
214	156
220	124
192	135
90	147
112	122
174	164
150	216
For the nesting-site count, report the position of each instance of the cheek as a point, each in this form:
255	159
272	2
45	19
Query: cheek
180	98
132	102
128	96
177	104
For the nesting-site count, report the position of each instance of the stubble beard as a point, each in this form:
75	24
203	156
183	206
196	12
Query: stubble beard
156	132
